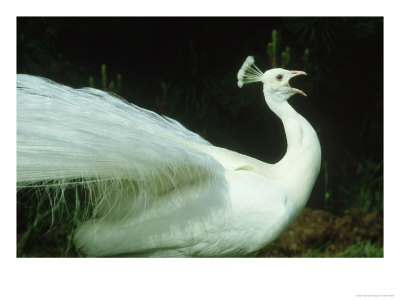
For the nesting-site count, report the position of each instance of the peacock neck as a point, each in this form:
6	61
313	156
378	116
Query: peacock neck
299	167
293	124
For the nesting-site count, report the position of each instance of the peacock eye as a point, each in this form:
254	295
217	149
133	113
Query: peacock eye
279	77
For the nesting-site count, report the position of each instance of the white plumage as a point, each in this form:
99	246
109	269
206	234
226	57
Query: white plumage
155	188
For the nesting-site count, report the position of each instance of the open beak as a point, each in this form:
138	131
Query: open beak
296	73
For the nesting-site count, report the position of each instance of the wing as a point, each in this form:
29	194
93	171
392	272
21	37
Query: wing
70	137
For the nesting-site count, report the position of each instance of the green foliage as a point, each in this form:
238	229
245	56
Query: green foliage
273	49
36	52
328	199
362	249
336	45
45	226
112	86
91	81
362	186
104	77
272	52
359	249
285	57
306	56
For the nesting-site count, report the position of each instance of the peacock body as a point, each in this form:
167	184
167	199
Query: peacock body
154	187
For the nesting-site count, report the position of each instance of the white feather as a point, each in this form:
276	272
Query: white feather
157	189
249	72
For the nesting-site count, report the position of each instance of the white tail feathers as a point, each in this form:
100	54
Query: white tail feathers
86	137
249	72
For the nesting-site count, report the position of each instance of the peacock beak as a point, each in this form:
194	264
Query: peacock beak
296	73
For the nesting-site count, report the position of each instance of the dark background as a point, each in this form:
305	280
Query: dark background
186	69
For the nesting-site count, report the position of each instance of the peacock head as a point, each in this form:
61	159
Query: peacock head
275	81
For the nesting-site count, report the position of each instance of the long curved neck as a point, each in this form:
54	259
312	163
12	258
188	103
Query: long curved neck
299	168
293	123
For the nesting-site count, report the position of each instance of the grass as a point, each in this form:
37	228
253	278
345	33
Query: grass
45	227
359	249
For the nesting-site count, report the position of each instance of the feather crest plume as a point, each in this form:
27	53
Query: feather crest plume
249	72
